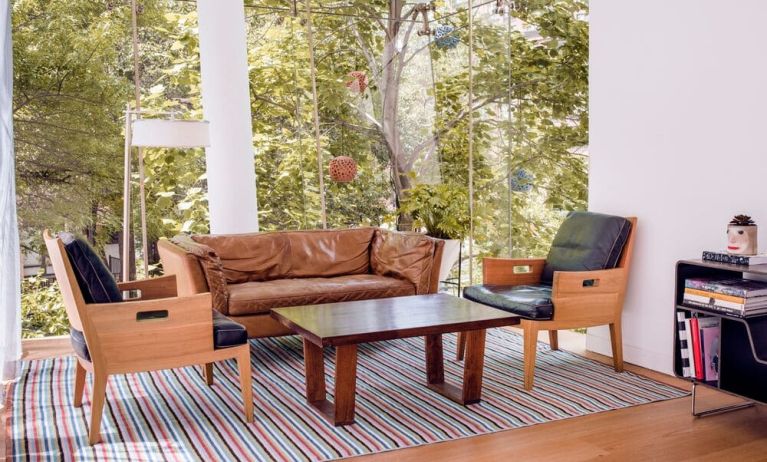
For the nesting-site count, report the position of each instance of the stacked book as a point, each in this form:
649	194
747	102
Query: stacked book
724	257
699	346
736	297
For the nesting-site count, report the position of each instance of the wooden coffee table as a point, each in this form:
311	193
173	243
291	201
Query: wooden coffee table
345	325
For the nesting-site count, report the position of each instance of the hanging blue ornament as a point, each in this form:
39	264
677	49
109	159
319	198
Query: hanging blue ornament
521	181
445	37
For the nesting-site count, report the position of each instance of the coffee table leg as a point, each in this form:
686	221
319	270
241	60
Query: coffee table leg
314	365
342	411
472	368
435	367
346	384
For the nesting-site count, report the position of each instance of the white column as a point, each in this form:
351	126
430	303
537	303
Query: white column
226	104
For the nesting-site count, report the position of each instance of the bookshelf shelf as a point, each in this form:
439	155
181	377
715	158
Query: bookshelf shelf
742	342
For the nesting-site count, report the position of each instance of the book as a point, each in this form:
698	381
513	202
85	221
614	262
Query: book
745	288
725	311
709	340
697	353
688	332
714	301
730	298
724	257
681	327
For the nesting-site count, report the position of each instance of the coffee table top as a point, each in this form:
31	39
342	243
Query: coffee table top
389	318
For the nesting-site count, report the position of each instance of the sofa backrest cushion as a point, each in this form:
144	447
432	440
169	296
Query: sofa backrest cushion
250	257
586	241
328	253
93	277
291	254
407	256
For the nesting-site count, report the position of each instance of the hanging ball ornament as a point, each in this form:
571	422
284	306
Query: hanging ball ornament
343	169
358	82
521	181
445	37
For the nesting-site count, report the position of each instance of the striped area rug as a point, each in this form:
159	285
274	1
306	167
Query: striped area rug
173	415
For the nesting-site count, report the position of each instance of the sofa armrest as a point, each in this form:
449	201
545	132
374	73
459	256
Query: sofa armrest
512	271
206	261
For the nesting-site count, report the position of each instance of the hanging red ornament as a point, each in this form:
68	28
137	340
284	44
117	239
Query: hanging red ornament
358	82
342	169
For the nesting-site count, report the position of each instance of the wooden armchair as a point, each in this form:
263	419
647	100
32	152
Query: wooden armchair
156	331
579	299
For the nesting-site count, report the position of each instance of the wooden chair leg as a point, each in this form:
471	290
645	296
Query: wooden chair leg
616	338
79	384
243	364
207	369
97	406
460	346
530	344
553	339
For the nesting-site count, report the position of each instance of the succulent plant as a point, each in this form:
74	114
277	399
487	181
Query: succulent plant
742	220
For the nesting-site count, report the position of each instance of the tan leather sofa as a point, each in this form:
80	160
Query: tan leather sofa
249	274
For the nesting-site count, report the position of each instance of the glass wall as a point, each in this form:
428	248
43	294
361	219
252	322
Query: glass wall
394	92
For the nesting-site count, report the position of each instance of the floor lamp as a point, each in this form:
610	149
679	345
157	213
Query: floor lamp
152	133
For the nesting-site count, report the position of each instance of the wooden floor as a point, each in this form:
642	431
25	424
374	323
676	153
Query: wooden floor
659	431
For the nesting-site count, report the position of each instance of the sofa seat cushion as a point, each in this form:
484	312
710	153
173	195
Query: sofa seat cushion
259	297
586	241
531	301
227	333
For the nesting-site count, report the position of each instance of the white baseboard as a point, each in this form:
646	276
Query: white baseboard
652	360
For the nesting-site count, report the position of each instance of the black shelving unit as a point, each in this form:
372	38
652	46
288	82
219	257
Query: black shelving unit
742	342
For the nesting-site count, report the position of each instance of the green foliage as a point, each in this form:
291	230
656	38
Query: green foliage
442	209
42	308
408	132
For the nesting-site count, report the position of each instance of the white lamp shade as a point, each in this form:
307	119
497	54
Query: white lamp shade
170	133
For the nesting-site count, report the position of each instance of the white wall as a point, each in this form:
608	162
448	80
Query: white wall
678	137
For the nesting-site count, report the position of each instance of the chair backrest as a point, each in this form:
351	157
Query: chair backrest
70	290
589	241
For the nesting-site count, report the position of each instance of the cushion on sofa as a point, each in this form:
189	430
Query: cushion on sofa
329	253
250	257
259	297
586	241
407	256
291	254
529	301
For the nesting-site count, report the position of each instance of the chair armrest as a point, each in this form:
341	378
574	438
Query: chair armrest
512	271
588	297
152	288
120	339
585	283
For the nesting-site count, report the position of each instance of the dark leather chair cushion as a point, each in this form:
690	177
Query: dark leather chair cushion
586	241
94	279
532	301
96	282
77	339
227	333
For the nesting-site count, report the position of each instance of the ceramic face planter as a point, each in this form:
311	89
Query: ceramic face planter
741	236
